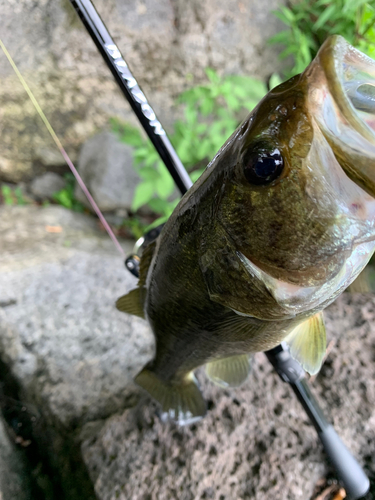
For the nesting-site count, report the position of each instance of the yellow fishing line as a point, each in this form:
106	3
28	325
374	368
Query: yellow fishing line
61	148
32	97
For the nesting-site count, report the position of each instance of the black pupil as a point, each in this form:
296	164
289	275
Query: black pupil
263	167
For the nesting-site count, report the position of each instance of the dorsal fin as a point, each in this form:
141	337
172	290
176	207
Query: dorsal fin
308	343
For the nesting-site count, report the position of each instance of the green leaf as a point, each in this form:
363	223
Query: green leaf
143	193
160	220
191	114
327	14
232	102
19	196
202	128
7	195
285	15
196	174
305	51
126	132
282	37
160	206
164	185
136	226
150	173
275	80
172	205
212	75
287	52
207	107
63	198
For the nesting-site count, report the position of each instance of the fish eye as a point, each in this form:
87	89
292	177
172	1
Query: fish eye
263	165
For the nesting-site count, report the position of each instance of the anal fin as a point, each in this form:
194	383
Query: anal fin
308	343
229	372
133	302
181	400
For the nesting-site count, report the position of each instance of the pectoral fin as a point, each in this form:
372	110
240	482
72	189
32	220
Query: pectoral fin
181	400
229	372
363	283
133	302
308	343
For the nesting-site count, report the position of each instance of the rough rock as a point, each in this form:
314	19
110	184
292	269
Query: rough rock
14	482
256	441
73	356
106	167
50	157
166	43
46	185
70	352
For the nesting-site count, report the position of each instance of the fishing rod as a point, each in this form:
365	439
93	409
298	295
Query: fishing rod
130	88
348	469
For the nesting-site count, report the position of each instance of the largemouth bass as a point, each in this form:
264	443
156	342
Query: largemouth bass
279	224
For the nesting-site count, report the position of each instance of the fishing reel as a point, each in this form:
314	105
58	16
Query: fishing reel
132	262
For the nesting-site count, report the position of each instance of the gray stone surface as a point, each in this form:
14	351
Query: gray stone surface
14	482
49	156
256	442
61	335
167	44
71	352
73	356
46	185
106	167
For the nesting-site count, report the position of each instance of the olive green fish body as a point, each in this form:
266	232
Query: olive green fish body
191	328
279	224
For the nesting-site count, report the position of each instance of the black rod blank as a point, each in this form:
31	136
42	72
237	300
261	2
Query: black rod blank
349	471
133	93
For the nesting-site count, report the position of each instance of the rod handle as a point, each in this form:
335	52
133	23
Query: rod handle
350	472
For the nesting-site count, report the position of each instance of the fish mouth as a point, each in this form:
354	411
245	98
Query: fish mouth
342	101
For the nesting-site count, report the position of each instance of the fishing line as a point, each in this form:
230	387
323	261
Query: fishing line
62	150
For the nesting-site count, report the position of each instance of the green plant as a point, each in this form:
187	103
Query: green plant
211	113
7	195
65	196
310	22
136	227
20	200
12	196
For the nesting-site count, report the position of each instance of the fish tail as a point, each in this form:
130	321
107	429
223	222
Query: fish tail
181	399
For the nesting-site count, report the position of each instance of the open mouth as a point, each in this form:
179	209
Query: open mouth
342	101
340	85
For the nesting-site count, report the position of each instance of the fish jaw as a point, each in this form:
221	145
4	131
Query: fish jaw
339	174
341	98
296	300
353	211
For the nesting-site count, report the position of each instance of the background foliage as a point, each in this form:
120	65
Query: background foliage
212	111
65	196
12	195
310	22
